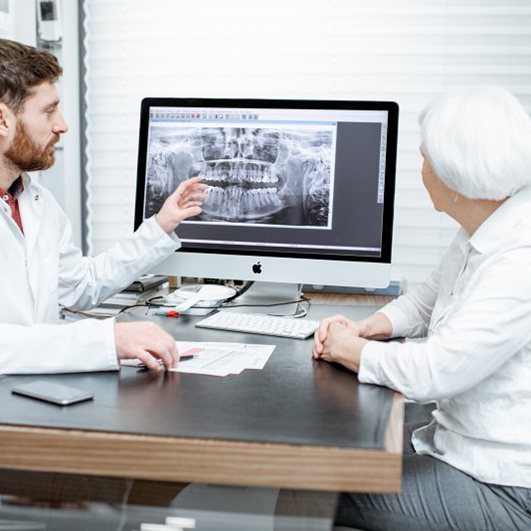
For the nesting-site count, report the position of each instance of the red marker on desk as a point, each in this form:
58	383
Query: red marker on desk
168	313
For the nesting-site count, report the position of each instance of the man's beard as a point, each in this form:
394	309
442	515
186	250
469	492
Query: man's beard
26	155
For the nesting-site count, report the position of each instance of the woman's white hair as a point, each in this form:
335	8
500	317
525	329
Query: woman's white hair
478	142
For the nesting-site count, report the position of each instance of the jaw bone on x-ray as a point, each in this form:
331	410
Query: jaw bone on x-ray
258	175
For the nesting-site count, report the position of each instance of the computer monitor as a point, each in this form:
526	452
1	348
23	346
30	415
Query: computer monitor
301	191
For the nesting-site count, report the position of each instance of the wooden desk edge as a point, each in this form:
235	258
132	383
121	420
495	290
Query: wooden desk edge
212	461
394	435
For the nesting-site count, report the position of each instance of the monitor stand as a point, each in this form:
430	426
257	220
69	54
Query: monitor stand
261	297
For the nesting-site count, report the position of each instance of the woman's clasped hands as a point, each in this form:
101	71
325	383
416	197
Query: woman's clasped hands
341	340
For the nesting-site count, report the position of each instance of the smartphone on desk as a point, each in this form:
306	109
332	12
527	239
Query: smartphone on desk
52	392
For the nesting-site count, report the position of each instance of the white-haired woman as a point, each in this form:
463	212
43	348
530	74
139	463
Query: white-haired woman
469	466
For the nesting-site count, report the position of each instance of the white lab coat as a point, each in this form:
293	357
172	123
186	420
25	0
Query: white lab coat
42	269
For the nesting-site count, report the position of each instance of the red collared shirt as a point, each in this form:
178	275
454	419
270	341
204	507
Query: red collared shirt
11	198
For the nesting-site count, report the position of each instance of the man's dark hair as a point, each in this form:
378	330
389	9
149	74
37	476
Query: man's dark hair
22	68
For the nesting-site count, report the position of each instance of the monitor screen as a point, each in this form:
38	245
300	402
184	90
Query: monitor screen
300	190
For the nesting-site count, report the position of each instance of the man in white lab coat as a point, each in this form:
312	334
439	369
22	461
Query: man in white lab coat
40	268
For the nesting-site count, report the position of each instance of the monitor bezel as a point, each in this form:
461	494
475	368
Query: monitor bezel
362	105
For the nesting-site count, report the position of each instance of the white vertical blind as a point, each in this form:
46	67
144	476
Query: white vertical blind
408	51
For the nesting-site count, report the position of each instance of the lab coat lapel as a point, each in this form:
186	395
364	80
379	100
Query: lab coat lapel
11	225
31	204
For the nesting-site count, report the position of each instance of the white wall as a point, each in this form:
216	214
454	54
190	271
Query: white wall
64	178
25	28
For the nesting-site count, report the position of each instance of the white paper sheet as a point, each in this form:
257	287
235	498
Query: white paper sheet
222	359
218	358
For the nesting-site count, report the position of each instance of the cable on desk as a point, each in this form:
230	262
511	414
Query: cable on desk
100	315
83	313
302	299
153	302
239	291
224	305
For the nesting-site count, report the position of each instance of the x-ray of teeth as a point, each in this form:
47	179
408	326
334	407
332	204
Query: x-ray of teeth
257	175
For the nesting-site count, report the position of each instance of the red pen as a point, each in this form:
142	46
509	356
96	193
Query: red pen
168	313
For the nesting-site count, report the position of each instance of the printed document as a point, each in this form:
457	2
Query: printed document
222	359
218	358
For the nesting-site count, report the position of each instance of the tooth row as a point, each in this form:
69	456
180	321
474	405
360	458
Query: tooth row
240	200
240	175
215	190
233	191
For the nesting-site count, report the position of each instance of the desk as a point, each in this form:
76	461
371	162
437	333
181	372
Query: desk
297	424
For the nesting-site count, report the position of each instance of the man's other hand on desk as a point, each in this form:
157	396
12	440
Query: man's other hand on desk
147	342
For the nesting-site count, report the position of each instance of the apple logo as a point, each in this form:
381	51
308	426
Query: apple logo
257	268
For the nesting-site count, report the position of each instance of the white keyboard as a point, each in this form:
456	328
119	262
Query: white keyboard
255	323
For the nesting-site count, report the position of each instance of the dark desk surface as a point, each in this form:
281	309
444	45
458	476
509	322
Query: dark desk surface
294	402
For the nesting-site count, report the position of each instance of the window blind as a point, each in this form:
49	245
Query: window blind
409	52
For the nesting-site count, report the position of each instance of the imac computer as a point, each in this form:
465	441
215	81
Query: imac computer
302	191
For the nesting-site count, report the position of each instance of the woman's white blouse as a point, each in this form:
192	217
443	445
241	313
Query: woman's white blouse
475	315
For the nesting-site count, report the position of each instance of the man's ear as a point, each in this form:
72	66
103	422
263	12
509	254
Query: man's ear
6	120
